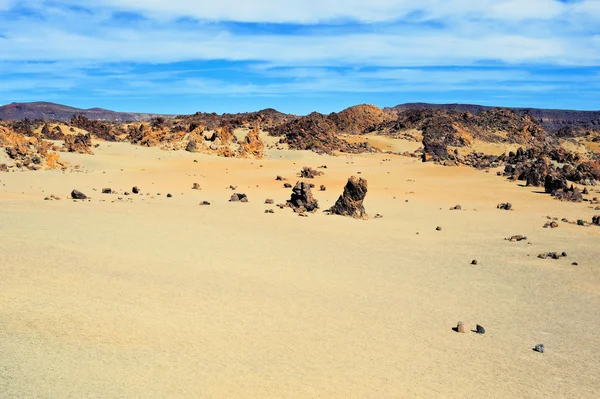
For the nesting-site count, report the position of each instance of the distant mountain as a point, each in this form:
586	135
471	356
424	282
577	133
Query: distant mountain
51	111
552	119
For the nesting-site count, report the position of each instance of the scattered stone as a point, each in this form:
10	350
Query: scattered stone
287	185
127	193
269	211
516	238
585	191
580	222
505	206
47	199
232	187
310	173
456	208
237	197
438	228
279	178
596	220
302	199
269	201
474	262
205	203
106	191
169	196
574	264
479	329
322	188
461	327
196	186
378	216
76	194
539	348
552	225
135	190
552	255
350	203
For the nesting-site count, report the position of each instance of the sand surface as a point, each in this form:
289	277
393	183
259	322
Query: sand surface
156	297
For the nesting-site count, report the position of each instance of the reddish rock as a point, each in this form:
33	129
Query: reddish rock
350	203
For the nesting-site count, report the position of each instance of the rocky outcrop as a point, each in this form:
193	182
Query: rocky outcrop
252	145
302	199
79	143
30	153
350	203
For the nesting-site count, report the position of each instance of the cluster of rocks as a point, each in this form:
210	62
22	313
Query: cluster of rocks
463	328
552	255
79	143
310	173
31	153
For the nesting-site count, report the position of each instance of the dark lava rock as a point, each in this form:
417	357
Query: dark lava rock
269	201
279	178
302	199
76	194
237	197
539	348
287	185
135	190
169	196
456	208
322	188
310	173
106	191
438	228
596	220
552	225
205	203
350	203
269	211
516	238
479	329
474	262
505	206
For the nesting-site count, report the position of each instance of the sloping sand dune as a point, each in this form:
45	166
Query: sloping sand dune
156	297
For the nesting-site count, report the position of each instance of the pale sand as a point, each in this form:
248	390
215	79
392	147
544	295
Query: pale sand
163	298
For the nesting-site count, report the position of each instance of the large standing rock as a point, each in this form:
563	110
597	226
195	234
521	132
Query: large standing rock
350	203
252	144
302	199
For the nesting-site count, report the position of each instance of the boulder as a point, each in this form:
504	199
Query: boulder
76	194
310	173
350	203
302	199
135	190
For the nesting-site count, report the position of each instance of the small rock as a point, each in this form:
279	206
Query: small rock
269	201
474	262
438	228
322	188
205	203
539	348
378	216
461	327
280	178
574	264
126	193
269	211
287	185
456	208
479	329
76	194
195	186
47	199
169	196
238	197
505	206
516	238
106	191
135	190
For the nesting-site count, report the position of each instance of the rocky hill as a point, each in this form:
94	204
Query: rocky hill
58	112
551	119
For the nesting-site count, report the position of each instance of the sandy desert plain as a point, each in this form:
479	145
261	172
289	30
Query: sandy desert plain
153	297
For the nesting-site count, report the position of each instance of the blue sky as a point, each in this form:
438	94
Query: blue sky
183	56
